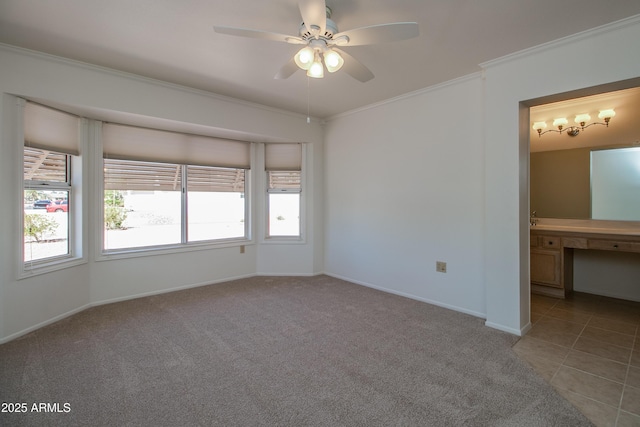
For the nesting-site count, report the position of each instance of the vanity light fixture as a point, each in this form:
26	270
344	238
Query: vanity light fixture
580	119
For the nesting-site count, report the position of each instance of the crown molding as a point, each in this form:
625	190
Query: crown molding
433	88
147	80
561	42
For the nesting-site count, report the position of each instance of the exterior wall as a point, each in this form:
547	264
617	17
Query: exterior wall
28	303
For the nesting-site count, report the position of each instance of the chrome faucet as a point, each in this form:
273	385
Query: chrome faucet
533	220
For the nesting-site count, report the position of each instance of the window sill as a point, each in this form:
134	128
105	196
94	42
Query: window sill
284	240
126	253
38	268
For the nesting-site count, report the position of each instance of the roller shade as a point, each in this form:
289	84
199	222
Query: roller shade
50	129
283	157
151	145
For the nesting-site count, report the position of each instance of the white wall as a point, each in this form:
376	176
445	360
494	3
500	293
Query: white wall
461	194
612	274
598	57
404	189
31	302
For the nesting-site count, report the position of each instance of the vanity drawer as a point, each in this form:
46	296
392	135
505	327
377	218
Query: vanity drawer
614	245
550	242
575	242
546	242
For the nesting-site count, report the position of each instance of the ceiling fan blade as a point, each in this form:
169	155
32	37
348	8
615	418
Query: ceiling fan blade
287	70
355	68
314	13
380	33
258	34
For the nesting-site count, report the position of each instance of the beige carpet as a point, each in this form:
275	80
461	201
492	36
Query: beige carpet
312	351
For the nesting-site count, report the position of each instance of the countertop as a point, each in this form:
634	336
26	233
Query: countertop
588	226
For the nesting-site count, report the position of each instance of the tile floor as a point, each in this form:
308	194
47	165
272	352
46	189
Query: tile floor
588	348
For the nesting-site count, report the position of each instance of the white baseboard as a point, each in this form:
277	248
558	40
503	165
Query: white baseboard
168	290
513	331
43	324
411	296
114	300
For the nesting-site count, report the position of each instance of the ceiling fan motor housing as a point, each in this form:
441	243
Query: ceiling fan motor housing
330	29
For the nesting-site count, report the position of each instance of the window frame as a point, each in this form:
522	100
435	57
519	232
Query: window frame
278	239
287	191
49	186
184	246
77	167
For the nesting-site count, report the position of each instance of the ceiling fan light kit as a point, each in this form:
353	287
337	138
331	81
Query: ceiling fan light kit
320	36
308	59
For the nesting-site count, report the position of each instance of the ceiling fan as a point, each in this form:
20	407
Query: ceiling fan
320	37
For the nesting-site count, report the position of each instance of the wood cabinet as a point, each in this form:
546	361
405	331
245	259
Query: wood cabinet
551	252
547	261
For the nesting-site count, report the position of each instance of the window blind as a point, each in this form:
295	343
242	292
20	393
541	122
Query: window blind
149	176
50	129
283	157
283	181
212	179
135	143
44	165
145	176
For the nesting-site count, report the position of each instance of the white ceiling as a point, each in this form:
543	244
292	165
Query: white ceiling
174	41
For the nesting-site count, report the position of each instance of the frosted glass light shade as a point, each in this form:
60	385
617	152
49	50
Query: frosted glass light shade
606	114
333	61
539	125
560	122
316	70
304	58
582	118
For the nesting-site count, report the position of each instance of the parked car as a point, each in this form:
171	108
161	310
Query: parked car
41	204
58	206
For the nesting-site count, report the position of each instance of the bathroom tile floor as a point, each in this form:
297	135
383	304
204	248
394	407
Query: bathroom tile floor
588	348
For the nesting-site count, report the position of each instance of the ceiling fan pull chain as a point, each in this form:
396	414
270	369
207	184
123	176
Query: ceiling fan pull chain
308	89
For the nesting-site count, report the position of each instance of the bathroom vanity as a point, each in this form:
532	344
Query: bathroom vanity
553	242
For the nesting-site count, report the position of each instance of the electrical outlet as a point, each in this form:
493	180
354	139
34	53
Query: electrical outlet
441	267
241	249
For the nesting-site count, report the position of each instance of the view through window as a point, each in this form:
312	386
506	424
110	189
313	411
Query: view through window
284	203
46	204
143	204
